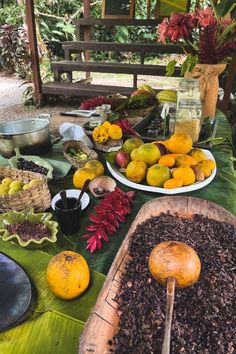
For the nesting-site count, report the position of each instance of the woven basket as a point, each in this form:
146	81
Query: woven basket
92	155
109	144
37	197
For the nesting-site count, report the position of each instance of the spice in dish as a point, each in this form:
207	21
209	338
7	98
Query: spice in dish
27	230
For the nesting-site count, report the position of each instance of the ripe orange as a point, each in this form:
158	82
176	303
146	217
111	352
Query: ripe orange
96	166
81	175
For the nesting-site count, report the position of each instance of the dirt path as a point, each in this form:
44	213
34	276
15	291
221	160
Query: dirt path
12	88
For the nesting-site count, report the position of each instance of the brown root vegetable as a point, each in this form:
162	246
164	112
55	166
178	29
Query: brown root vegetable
199	174
175	259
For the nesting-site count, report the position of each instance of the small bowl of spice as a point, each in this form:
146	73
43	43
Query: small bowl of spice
28	229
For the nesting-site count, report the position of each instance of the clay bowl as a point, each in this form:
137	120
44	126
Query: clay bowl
101	186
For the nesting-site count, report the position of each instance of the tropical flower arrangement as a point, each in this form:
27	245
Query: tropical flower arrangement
208	35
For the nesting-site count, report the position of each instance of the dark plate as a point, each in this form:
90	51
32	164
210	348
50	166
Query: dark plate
17	293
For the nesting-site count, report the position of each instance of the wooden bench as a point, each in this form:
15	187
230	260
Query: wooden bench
74	63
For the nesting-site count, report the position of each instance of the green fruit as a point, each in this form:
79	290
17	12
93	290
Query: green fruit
14	190
131	144
148	153
16	184
167	96
7	181
3	189
110	157
157	175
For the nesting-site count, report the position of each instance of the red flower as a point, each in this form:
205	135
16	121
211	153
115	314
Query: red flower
178	26
205	17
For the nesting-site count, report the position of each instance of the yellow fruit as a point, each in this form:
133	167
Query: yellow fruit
148	153
198	154
179	143
157	175
7	181
13	190
131	144
81	175
96	166
184	173
26	187
173	183
106	125
34	182
68	275
115	132
209	163
206	166
16	184
167	160
3	189
133	155
136	171
185	160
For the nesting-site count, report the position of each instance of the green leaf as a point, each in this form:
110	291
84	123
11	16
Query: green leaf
124	30
43	334
170	67
224	7
189	64
35	263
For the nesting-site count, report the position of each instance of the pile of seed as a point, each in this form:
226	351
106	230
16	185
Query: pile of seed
26	165
203	319
27	230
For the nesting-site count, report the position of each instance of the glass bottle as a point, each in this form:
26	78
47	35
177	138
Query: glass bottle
189	118
189	89
107	110
95	120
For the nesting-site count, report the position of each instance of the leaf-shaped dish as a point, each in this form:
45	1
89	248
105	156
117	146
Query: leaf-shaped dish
15	217
36	159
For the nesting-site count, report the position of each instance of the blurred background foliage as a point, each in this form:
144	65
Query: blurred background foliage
54	25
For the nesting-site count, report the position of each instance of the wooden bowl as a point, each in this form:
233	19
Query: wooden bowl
101	186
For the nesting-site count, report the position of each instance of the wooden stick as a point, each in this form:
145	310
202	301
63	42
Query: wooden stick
148	9
170	297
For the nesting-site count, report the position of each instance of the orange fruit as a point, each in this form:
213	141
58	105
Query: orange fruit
179	143
184	173
81	175
136	171
96	166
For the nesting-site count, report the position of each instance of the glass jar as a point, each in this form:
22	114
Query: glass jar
95	120
107	110
100	110
189	118
189	89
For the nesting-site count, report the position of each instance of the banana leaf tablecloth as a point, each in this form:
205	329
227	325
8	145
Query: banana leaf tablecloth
55	325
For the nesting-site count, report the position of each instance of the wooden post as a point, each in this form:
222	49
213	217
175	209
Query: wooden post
229	84
30	20
148	9
87	30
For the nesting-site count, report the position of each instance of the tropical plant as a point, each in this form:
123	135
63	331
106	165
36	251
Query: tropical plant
208	35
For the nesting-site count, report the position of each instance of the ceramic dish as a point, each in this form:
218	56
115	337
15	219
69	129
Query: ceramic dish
72	193
101	186
17	295
14	217
144	187
35	159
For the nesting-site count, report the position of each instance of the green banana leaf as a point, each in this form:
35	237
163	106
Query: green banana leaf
35	263
48	333
166	7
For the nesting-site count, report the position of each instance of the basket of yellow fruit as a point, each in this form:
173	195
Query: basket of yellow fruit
77	153
20	190
106	136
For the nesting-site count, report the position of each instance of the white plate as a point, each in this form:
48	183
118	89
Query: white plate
193	187
72	193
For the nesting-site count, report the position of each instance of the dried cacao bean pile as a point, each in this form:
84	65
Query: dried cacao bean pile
204	319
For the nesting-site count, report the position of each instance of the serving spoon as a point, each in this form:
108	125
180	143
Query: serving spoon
173	264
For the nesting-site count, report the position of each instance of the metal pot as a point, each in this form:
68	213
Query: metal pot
31	136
